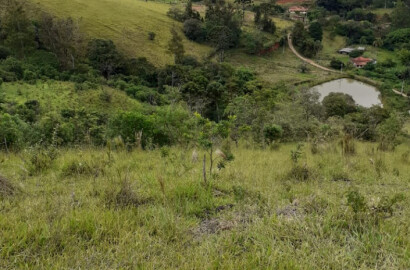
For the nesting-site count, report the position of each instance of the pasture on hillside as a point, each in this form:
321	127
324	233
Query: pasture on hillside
127	23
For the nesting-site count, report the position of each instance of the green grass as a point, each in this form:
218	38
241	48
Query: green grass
277	67
127	23
252	216
54	96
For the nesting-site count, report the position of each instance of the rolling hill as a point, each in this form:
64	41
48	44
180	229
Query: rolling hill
127	23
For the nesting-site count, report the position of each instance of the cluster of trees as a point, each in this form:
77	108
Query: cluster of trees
221	25
308	42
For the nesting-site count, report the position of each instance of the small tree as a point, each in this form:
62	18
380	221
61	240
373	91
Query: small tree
272	133
388	132
175	46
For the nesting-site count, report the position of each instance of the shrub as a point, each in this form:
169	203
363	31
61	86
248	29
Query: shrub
124	197
151	35
83	168
336	64
176	14
4	52
12	130
272	133
193	30
6	187
338	104
41	159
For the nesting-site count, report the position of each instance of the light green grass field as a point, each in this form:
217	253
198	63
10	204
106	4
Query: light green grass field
54	96
127	23
279	66
101	209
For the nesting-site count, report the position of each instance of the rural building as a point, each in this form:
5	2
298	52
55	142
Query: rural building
360	61
298	10
349	50
298	13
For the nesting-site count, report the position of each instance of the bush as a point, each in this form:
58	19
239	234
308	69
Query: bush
129	124
83	168
151	35
4	52
12	130
336	64
176	14
193	30
338	104
355	53
272	133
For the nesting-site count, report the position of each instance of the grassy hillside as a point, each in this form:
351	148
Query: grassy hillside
127	23
55	96
98	209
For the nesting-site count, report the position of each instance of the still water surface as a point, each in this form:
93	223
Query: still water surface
364	94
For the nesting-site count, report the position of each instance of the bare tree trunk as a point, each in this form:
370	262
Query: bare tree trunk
204	169
211	161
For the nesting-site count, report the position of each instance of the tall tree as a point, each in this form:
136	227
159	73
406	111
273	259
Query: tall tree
103	56
19	31
175	46
62	37
400	15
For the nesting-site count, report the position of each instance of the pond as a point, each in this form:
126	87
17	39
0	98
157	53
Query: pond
364	94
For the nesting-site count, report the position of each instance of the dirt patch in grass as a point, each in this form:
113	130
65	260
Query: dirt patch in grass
6	187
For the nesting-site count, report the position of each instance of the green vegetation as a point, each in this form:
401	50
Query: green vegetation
127	23
138	135
105	209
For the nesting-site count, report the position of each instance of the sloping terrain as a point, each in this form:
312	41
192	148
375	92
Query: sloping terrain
127	23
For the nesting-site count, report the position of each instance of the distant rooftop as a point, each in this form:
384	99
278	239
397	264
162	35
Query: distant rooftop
298	9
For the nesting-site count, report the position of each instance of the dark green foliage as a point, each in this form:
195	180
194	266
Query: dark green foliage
223	26
19	31
253	42
266	24
272	133
355	53
12	132
400	15
356	32
303	42
388	132
336	64
151	35
397	39
359	14
356	201
129	124
4	52
104	57
193	30
176	14
338	104
315	31
175	46
63	38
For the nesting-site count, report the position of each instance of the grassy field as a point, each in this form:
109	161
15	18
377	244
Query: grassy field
279	66
103	209
127	23
54	96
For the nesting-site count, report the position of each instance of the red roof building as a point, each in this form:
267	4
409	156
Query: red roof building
361	61
298	9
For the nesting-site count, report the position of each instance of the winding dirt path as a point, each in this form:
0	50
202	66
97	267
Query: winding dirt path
313	63
309	61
